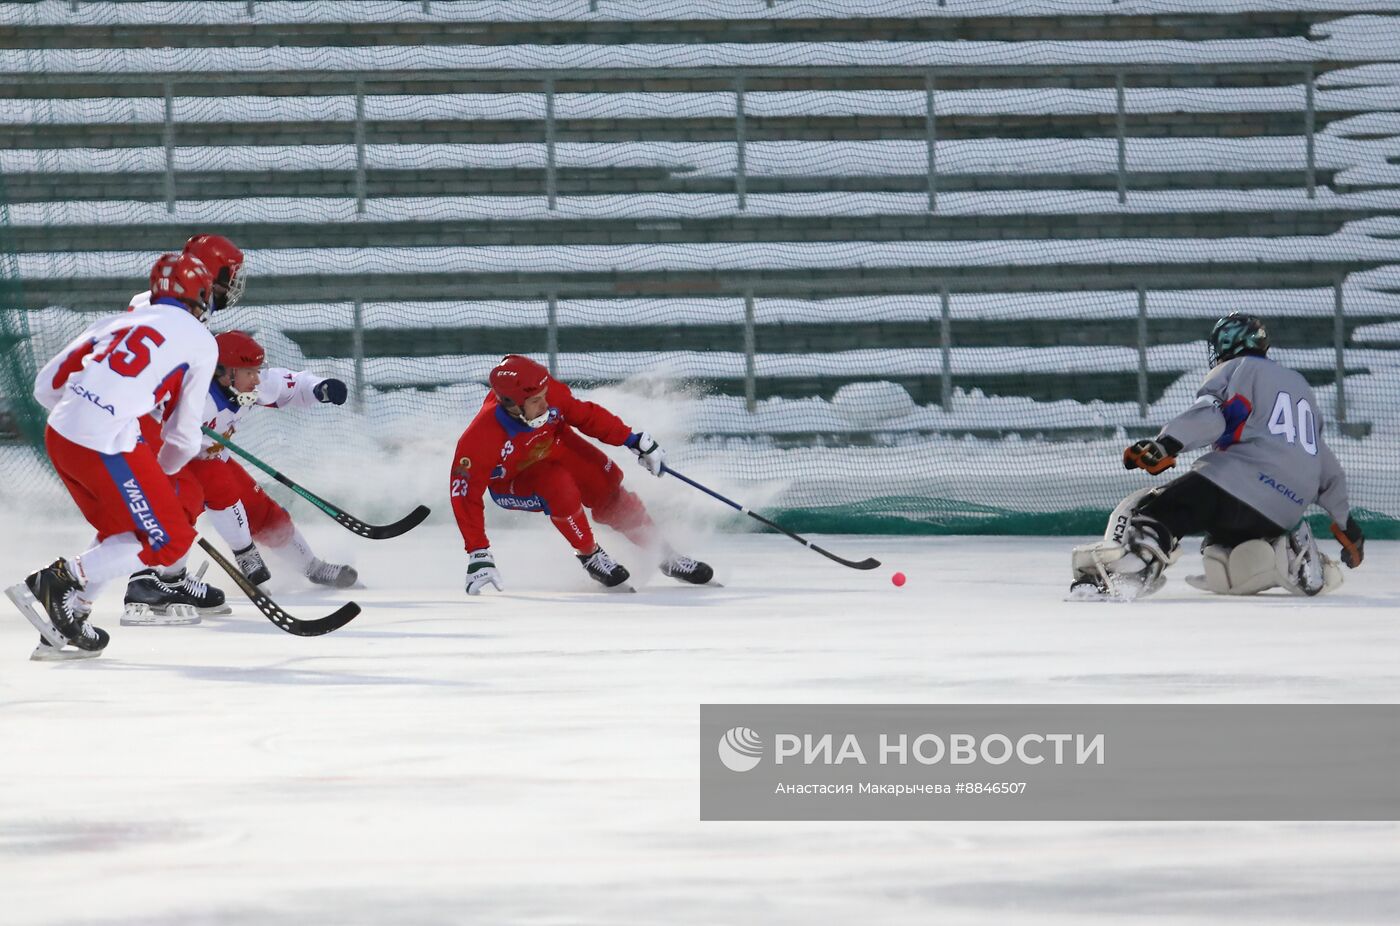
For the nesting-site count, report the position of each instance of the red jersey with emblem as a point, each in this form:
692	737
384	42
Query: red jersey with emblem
496	447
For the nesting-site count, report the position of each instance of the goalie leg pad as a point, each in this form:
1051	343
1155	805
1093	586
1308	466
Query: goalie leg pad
1247	569
1215	559
1256	565
1129	561
1306	570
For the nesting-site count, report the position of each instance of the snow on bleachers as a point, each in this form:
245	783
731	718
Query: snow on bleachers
1348	147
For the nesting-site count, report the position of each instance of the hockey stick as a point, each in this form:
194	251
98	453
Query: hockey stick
869	563
347	521
273	611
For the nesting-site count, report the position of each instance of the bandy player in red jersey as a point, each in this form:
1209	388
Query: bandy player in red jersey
525	446
96	390
214	484
241	511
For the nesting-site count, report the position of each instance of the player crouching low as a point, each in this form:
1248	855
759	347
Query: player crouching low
1268	463
522	446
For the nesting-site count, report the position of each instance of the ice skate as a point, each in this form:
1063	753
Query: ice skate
153	602
206	598
676	566
331	574
250	563
65	633
605	570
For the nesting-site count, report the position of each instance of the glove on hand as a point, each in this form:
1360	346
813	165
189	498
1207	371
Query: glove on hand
1152	455
481	572
332	391
1353	542
648	451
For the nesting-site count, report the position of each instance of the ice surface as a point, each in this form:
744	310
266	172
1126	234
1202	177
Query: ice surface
533	756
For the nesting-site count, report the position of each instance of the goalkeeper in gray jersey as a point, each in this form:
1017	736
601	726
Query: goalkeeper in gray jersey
1247	494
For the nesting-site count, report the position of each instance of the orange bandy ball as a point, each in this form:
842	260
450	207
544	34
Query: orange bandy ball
897	579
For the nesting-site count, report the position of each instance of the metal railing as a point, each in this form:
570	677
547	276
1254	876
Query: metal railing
738	82
943	319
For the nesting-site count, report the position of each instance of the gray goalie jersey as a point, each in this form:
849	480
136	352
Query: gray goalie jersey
1268	451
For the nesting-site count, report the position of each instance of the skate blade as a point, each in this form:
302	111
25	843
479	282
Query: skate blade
23	599
620	588
61	654
215	612
143	615
1093	593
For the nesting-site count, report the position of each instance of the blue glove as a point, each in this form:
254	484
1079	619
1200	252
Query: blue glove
648	451
332	391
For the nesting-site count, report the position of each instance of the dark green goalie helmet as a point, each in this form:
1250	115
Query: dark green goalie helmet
1235	335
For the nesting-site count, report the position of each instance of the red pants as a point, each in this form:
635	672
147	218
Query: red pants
190	492
224	484
124	493
574	475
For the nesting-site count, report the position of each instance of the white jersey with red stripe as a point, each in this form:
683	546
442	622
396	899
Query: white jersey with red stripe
124	367
139	301
278	388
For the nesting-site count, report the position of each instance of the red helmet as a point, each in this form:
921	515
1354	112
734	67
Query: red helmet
517	378
225	262
184	277
238	349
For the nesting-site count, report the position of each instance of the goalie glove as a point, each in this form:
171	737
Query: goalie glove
481	572
1152	455
1353	542
648	451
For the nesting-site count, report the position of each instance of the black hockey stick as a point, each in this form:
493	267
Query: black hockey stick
347	521
273	611
869	563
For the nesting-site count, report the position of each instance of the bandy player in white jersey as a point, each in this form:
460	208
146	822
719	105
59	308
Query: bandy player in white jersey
96	390
241	511
1267	464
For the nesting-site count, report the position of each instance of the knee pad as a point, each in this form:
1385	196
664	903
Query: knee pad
575	528
623	510
1290	561
276	527
176	547
1246	569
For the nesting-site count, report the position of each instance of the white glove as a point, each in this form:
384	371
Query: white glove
648	451
171	459
481	572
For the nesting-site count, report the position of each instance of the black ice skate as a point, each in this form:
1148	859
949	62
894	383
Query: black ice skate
250	563
675	566
194	590
150	601
332	574
601	567
65	633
